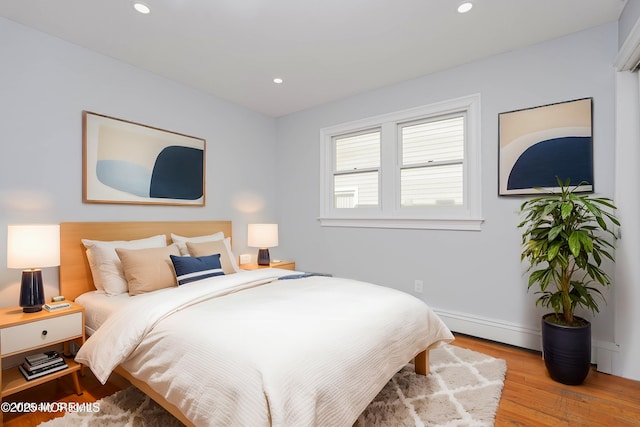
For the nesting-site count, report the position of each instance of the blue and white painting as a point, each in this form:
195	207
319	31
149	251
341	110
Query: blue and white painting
130	163
542	143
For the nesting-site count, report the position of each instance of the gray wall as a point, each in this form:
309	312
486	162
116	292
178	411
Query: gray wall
45	84
473	279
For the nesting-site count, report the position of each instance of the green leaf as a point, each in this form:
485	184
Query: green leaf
555	302
574	243
586	241
567	208
553	233
553	250
541	276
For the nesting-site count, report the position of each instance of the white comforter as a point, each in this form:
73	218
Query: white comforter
248	350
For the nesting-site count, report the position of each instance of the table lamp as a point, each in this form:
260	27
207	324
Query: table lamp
263	236
32	247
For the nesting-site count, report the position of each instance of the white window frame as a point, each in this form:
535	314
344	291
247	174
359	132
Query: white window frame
389	213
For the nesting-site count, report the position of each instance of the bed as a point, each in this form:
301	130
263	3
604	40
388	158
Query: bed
261	347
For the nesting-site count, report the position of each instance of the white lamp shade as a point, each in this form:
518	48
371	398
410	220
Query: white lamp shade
263	235
33	246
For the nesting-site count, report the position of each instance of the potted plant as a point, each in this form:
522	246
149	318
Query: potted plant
566	237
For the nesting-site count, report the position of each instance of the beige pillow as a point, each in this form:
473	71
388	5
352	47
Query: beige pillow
148	270
105	265
181	240
222	247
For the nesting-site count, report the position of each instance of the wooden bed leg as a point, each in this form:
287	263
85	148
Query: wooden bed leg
76	383
421	362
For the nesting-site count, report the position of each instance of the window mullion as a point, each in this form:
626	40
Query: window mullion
388	167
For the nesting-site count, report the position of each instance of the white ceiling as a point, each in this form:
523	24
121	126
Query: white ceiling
323	49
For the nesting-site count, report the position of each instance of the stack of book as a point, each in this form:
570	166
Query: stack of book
41	364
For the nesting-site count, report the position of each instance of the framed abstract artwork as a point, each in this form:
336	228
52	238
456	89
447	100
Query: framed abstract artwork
126	162
540	144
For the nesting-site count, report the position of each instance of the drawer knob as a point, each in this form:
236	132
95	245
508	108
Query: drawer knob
44	333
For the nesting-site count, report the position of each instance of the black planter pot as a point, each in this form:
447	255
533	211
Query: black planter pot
566	351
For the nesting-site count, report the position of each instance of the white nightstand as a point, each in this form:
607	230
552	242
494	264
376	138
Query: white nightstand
25	333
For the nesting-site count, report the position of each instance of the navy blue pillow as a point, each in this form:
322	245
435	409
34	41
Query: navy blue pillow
189	269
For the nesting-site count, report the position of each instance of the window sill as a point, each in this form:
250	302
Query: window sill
467	224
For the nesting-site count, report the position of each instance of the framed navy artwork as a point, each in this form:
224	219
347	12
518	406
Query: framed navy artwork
126	162
541	144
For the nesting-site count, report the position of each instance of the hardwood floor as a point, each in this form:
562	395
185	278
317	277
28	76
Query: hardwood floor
529	397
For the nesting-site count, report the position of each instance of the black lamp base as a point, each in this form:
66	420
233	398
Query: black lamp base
263	256
31	291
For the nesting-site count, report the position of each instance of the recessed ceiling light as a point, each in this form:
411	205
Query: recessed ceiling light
465	7
278	80
141	7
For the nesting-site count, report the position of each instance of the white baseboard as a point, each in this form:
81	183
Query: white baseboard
603	353
504	332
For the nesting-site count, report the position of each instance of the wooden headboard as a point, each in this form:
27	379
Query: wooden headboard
75	274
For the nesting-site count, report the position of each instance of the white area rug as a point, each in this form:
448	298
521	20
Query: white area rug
463	389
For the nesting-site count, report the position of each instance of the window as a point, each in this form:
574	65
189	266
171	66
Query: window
431	171
357	170
418	168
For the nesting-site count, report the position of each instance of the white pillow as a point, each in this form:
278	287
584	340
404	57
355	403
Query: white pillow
106	268
92	266
182	241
